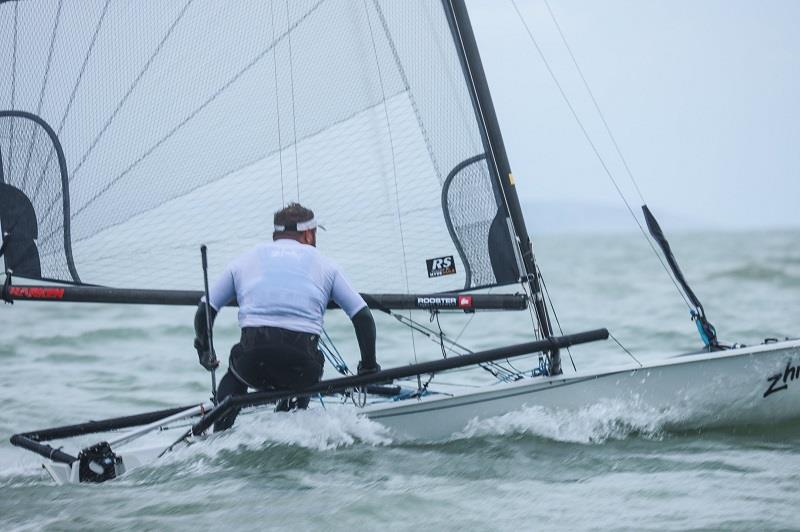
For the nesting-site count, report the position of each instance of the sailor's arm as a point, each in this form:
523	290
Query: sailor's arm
221	293
364	325
357	310
200	328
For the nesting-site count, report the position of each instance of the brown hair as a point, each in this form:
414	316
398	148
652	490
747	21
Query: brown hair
290	216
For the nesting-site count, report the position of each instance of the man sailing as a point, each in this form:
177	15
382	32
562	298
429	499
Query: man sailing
283	288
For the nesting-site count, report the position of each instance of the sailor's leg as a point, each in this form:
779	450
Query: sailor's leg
307	371
314	367
229	385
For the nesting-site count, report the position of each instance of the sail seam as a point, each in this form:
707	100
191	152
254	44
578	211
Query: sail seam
277	99
132	87
73	94
194	113
391	144
42	91
294	114
404	77
313	134
13	88
394	171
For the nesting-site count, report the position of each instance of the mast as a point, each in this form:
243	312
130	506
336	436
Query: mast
499	165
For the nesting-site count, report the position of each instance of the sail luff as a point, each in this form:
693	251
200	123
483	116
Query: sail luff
493	139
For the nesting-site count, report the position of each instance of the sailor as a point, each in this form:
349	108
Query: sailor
282	288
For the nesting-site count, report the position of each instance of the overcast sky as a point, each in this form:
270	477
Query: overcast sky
703	97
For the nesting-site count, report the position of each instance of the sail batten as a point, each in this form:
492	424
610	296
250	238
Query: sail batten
180	123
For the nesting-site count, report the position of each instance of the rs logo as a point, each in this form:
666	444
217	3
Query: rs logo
441	266
443	263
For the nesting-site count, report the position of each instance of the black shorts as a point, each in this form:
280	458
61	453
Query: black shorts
275	358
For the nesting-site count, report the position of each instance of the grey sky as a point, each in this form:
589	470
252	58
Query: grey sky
702	96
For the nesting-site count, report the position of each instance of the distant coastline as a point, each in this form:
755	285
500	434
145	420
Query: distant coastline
562	217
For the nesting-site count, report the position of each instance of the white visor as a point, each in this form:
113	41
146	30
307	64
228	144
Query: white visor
300	226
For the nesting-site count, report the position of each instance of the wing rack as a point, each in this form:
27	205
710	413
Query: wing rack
99	294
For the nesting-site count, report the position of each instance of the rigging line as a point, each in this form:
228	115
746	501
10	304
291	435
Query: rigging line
513	371
73	94
485	128
132	87
41	92
407	87
469	320
558	323
625	349
430	333
332	354
294	114
441	332
223	175
597	153
440	338
13	91
277	100
537	328
464	328
594	101
394	168
335	351
186	120
483	123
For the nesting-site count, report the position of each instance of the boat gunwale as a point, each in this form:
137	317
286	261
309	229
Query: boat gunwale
537	384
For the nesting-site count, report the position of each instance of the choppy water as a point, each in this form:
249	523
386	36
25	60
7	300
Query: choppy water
602	468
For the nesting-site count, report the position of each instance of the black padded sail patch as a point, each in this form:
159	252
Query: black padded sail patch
441	266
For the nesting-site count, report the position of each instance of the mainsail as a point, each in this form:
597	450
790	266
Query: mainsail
131	133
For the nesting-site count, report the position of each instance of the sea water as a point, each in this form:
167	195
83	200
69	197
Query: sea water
604	467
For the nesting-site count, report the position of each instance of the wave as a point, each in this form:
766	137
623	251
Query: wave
594	424
96	336
760	273
314	429
22	472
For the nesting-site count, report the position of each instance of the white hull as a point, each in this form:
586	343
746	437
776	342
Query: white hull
704	390
745	386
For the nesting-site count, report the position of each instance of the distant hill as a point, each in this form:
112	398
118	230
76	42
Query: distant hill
573	217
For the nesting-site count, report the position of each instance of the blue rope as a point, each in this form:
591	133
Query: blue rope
332	354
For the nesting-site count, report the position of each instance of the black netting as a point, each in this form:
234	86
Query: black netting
469	204
193	121
25	146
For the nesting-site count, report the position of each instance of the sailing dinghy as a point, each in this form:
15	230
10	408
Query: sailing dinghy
134	135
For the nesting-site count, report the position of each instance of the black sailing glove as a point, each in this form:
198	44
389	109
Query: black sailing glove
208	358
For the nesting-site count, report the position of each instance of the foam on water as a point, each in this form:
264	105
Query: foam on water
314	429
596	423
